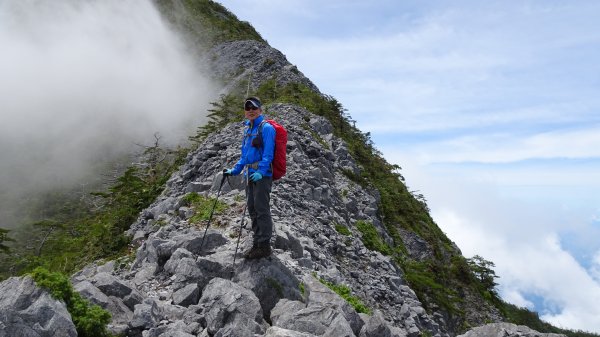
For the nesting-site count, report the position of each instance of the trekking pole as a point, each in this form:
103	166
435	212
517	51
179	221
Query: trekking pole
238	241
241	228
213	210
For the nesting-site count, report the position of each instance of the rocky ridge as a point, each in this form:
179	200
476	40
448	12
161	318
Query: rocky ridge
174	286
307	245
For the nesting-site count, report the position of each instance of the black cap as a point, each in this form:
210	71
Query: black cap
253	101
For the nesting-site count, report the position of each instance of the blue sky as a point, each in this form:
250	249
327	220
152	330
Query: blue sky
492	110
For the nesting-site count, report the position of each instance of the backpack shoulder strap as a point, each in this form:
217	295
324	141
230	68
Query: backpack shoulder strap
260	127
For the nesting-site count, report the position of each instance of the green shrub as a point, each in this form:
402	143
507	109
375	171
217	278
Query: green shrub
275	285
371	238
203	206
524	316
207	22
430	283
343	230
4	238
346	293
65	230
90	320
228	109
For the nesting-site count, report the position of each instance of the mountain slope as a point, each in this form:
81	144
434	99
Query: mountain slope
343	216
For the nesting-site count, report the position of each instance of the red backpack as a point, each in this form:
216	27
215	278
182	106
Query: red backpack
279	161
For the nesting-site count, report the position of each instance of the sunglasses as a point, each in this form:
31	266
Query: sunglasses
248	108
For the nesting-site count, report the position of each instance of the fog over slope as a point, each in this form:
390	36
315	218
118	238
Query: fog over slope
82	81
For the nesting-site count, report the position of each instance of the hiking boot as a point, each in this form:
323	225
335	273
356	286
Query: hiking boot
257	252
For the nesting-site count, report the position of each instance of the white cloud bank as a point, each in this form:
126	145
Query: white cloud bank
522	238
82	81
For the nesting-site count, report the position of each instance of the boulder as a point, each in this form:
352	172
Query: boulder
506	329
281	332
29	311
270	280
318	319
187	295
231	310
318	293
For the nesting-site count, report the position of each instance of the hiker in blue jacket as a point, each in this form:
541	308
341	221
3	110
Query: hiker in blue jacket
255	161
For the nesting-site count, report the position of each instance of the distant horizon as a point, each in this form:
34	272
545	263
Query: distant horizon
490	110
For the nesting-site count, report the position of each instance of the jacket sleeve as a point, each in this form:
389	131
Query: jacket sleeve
268	138
239	166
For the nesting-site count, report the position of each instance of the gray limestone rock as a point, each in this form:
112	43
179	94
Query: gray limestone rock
29	311
231	307
281	332
198	244
188	295
316	319
270	280
110	285
506	330
91	293
146	315
287	241
320	294
376	327
176	329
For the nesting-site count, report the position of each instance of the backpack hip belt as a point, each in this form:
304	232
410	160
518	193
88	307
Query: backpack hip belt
255	166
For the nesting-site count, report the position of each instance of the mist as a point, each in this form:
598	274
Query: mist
81	82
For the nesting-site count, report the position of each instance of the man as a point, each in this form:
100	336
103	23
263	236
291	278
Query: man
255	161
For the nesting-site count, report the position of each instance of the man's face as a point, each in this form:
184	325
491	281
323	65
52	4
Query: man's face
252	112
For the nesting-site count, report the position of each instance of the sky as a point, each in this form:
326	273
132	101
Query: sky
83	82
492	110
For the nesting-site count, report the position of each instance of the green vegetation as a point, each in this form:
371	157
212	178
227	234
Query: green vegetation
228	109
4	238
203	206
371	238
206	23
483	271
523	316
346	293
90	320
422	278
273	283
68	232
343	230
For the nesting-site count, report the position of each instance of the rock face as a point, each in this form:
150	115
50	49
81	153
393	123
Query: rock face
253	61
26	310
506	330
177	286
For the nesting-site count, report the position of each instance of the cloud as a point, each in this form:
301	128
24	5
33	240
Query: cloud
523	238
499	146
462	67
83	81
595	269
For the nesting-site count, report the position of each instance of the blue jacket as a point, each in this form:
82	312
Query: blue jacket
262	155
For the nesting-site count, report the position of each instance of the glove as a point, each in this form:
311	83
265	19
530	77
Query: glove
227	172
256	176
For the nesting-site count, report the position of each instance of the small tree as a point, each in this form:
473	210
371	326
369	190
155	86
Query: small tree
4	238
228	109
482	269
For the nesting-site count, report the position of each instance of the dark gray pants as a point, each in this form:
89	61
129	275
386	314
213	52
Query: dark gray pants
259	197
